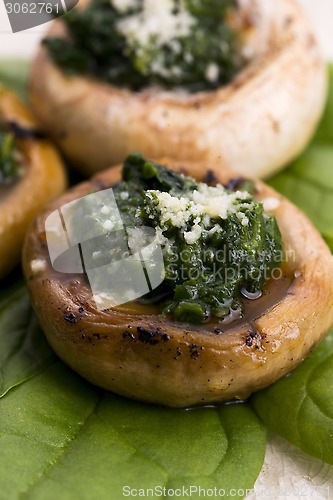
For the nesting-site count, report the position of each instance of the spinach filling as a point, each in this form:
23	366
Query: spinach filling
190	45
9	165
217	243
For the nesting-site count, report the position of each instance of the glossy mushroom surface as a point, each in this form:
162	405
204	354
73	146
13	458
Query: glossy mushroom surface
42	179
144	355
254	125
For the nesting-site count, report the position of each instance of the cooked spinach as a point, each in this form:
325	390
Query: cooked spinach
9	165
96	46
208	259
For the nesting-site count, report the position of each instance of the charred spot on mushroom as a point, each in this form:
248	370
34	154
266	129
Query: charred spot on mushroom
210	178
25	133
129	335
242	184
194	351
148	336
254	338
178	352
98	336
70	318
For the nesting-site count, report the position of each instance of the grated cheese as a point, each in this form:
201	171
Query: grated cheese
271	204
193	235
156	25
105	209
193	211
212	72
108	225
38	266
124	195
123	6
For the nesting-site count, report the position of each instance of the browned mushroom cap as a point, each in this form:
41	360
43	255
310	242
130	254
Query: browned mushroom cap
143	355
254	125
43	178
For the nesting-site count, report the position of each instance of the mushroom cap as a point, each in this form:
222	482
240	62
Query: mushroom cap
147	356
43	178
255	124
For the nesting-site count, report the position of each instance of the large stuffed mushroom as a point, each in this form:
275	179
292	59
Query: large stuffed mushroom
254	124
150	357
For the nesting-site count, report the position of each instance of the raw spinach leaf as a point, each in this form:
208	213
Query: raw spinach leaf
24	351
324	132
86	444
308	181
14	75
299	407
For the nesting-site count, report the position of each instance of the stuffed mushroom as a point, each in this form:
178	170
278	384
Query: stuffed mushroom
240	84
245	290
31	174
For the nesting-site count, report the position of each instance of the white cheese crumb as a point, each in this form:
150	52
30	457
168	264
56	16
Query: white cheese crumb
124	195
193	235
157	22
218	202
271	204
163	240
108	225
242	217
105	210
188	57
214	230
173	210
212	72
194	210
38	266
248	51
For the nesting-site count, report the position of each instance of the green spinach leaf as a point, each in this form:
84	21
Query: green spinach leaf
86	444
300	407
324	131
24	351
308	181
14	75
